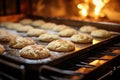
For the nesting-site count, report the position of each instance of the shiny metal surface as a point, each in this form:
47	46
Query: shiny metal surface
14	53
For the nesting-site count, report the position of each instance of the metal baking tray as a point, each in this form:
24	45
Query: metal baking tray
57	57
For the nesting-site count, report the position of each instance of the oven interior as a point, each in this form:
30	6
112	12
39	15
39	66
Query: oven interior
74	13
88	10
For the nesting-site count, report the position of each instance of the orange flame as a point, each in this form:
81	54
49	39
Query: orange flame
99	4
84	8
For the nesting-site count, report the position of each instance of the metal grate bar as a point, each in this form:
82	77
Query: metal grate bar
96	58
6	76
109	53
118	44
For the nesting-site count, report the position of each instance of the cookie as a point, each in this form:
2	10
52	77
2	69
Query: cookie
67	32
60	27
5	24
81	38
13	36
101	33
35	32
34	52
61	46
24	28
48	25
4	38
20	42
48	37
87	29
25	21
38	23
14	26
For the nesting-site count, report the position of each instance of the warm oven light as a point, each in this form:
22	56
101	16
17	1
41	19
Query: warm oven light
83	9
99	4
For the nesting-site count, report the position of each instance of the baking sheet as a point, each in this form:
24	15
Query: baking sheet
14	54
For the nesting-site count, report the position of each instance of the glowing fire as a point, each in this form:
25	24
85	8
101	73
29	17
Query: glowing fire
84	8
99	4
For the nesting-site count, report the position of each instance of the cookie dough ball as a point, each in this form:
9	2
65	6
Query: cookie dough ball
2	49
14	26
37	23
35	32
48	25
26	21
61	46
81	38
24	28
34	52
5	24
87	29
60	27
7	37
4	38
21	42
101	33
67	32
48	37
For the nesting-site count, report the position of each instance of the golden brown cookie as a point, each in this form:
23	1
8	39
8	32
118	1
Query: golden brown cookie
14	26
48	37
34	52
20	42
87	29
67	32
81	38
2	49
25	21
38	23
4	38
7	37
5	24
35	32
13	36
48	25
24	28
101	33
61	46
60	27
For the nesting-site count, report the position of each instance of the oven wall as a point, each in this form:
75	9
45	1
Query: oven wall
13	7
